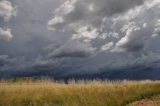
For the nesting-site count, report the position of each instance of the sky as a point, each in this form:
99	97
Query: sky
79	36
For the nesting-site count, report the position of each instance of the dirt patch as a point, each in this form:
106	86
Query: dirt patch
153	101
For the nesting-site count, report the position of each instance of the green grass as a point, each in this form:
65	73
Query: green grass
81	93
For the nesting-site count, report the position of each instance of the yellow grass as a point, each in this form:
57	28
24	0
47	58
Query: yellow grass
76	93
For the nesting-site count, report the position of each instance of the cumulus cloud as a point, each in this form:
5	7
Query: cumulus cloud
131	22
139	28
107	47
85	19
106	31
6	12
5	34
78	13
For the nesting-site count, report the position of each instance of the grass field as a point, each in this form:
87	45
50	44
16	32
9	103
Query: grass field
75	93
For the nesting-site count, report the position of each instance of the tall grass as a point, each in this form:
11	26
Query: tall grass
75	93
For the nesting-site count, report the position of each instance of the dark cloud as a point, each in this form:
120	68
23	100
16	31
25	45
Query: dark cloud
7	63
88	12
139	29
84	19
73	48
84	36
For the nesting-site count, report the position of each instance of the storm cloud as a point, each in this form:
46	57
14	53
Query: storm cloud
78	36
80	13
134	22
74	48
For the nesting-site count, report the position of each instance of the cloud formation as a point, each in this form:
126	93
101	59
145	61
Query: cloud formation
6	12
83	36
139	28
74	48
5	34
132	22
90	13
85	19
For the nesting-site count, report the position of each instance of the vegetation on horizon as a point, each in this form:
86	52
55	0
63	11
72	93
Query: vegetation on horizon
47	92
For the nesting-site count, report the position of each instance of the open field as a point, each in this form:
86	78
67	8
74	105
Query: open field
75	93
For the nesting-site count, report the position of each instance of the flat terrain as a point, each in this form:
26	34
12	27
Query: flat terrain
79	93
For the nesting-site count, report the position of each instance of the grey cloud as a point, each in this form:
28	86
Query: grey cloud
78	14
6	63
6	12
140	28
108	46
74	48
3	59
88	35
5	34
90	12
84	19
135	39
127	26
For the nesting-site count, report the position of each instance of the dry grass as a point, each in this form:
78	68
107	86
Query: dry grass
76	93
